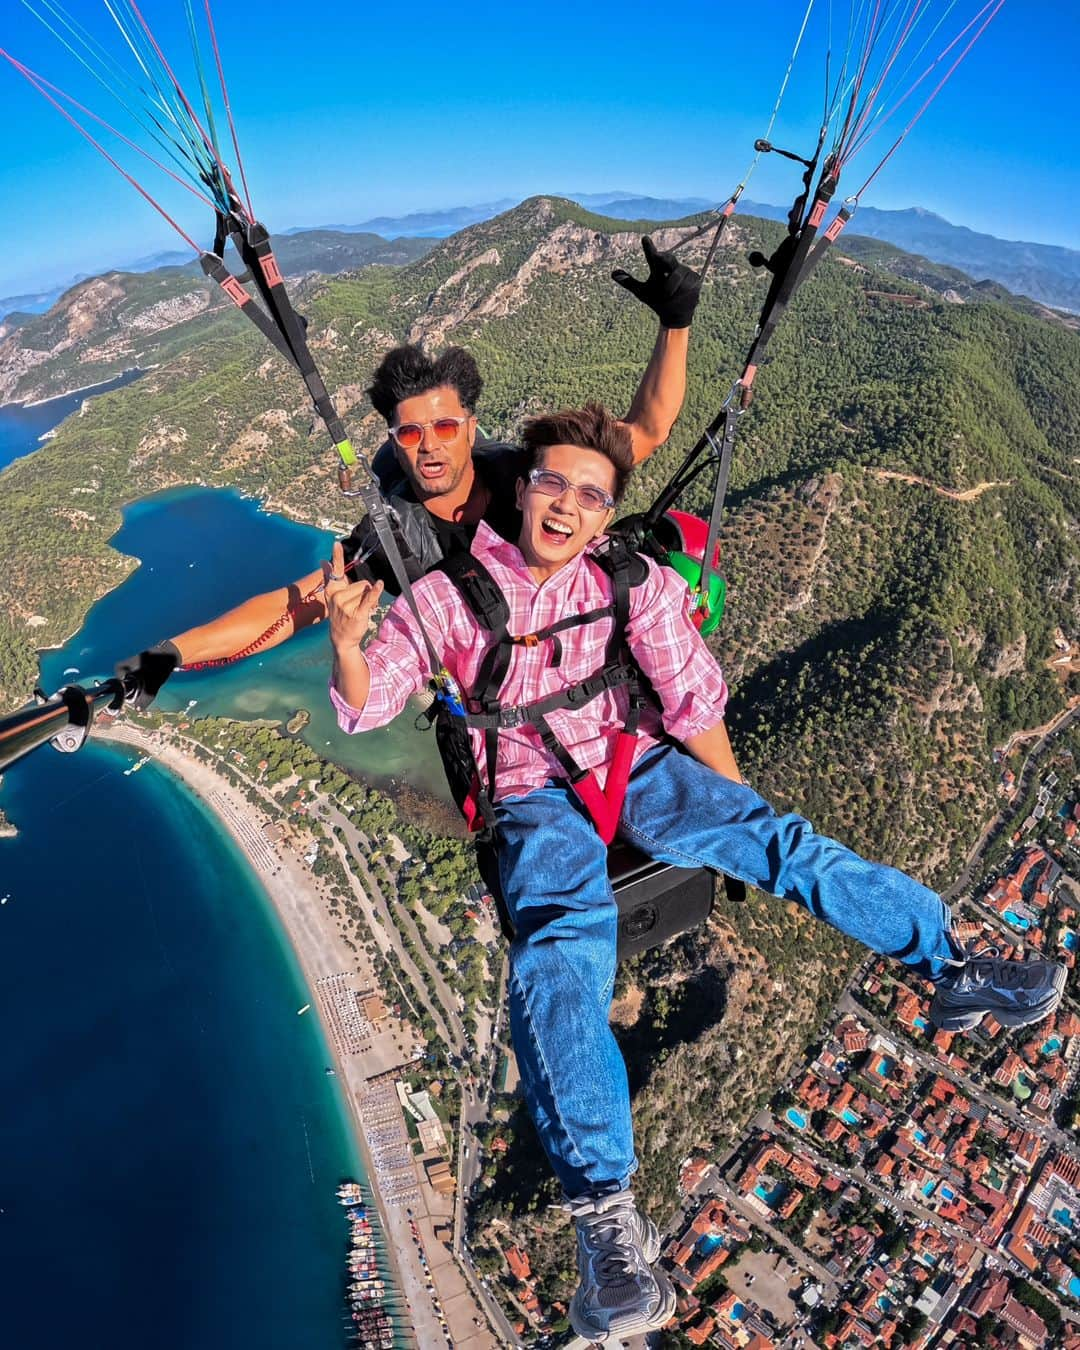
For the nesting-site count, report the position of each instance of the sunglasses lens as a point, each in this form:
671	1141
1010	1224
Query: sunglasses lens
446	428
549	483
592	499
409	435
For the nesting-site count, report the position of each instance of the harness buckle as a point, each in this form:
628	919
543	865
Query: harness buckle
515	716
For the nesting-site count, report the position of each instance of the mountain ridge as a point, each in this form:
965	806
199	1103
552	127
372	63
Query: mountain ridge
882	635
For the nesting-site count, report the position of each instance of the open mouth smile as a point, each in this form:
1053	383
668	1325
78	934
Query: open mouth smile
556	530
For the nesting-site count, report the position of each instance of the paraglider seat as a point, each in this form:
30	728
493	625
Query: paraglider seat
656	901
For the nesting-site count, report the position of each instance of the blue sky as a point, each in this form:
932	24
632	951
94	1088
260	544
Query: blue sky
345	112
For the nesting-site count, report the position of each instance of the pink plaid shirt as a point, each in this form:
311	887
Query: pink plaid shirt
664	643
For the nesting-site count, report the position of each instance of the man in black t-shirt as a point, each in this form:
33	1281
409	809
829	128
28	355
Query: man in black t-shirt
439	480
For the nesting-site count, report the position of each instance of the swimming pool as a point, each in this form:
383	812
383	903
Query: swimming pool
922	1024
1051	1046
928	1187
1074	1287
772	1198
738	1312
796	1118
708	1244
884	1066
1072	941
946	1194
920	1136
1064	1217
1017	922
849	1117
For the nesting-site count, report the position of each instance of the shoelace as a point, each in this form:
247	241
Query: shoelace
612	1246
972	951
983	963
610	1239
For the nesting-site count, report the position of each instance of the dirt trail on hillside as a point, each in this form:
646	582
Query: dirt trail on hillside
954	494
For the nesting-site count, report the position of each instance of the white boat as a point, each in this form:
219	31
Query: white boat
301	1011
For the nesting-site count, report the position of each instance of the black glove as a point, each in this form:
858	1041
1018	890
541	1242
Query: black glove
671	290
143	675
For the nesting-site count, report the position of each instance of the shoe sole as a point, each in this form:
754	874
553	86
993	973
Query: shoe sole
1016	1017
631	1324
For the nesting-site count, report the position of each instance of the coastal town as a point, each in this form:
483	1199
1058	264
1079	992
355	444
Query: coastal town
904	1187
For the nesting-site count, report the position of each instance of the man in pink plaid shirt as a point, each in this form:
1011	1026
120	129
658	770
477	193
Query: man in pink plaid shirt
684	804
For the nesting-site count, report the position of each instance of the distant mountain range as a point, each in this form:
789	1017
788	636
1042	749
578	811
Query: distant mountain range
1047	273
298	252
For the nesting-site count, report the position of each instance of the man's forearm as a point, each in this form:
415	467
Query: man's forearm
237	629
713	749
352	676
660	394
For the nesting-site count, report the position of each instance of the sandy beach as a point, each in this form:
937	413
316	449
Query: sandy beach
361	1053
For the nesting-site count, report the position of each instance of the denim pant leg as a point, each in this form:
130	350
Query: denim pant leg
553	871
679	811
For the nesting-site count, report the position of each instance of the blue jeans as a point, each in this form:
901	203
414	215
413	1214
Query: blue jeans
552	867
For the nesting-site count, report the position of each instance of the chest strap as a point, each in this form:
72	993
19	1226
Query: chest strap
485	713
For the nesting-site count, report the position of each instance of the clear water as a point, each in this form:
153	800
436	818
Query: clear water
796	1118
772	1198
170	1141
23	424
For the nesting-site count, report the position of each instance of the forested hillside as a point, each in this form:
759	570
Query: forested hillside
901	547
115	322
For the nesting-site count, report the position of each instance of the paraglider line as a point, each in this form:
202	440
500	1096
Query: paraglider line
228	108
42	84
32	79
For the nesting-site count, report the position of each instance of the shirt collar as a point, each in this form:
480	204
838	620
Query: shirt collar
489	545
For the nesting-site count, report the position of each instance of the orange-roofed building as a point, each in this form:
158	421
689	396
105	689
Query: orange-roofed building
518	1263
680	1253
1068	1024
699	1334
833	1130
693	1173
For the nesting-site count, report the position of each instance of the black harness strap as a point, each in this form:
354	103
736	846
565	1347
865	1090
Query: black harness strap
483	710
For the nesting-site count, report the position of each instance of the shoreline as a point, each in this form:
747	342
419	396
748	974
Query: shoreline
320	953
137	371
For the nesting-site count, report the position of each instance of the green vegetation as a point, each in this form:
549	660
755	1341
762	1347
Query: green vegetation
882	635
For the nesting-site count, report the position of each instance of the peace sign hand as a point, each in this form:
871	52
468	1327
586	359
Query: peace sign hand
350	605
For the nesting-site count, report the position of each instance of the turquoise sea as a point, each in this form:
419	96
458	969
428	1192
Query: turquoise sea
23	424
170	1142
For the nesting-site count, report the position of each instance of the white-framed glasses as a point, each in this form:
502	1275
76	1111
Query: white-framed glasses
589	496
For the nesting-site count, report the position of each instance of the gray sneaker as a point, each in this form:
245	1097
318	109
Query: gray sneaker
1017	993
618	1295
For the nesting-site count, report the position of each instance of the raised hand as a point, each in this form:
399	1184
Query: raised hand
350	605
671	290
